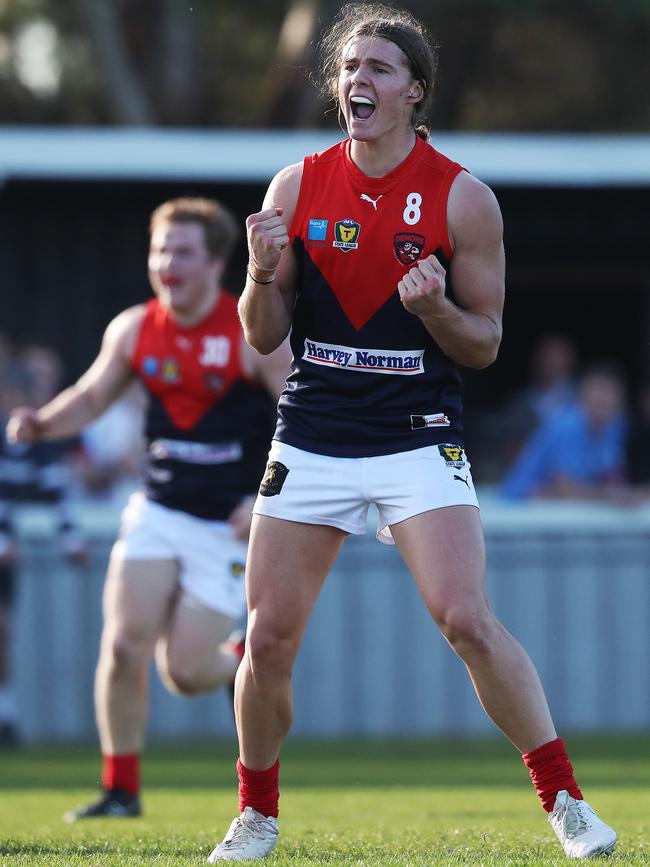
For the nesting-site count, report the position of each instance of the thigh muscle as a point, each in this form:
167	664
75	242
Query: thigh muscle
287	564
444	551
138	595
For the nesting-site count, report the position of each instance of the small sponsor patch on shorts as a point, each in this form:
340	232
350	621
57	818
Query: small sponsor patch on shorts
436	419
273	479
453	455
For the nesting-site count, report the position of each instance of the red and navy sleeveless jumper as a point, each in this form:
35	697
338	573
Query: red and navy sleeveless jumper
368	378
208	426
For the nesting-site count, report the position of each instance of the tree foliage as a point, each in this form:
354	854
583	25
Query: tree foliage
504	64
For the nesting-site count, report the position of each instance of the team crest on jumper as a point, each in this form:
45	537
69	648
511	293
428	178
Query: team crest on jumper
346	235
408	247
453	455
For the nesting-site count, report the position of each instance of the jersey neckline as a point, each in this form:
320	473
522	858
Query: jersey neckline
188	329
385	182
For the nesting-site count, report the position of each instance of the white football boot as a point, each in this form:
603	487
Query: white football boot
579	830
250	835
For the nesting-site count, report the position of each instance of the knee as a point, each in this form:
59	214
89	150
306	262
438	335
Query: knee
270	650
470	631
122	654
183	677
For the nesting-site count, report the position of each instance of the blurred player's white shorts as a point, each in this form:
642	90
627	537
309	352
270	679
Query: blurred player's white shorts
318	489
211	560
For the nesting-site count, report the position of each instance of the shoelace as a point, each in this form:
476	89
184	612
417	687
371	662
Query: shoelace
241	833
574	819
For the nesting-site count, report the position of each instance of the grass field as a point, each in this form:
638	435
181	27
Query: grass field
374	803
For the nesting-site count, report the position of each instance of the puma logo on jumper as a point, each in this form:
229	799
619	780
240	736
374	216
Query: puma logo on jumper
366	198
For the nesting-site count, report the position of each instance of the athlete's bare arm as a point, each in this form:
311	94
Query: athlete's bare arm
100	385
468	331
266	308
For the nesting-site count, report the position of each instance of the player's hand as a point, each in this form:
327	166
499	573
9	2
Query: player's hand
267	238
240	519
422	289
23	425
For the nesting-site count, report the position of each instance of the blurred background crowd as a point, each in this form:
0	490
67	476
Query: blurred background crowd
569	431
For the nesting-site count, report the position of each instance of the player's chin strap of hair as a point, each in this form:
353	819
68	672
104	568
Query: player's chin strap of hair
253	269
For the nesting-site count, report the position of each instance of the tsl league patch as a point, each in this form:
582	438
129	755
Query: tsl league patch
453	455
408	247
237	569
346	235
170	370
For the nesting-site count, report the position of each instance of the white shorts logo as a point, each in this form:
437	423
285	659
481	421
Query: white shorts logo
391	361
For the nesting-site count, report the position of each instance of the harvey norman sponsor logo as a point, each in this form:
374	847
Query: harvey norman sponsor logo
392	361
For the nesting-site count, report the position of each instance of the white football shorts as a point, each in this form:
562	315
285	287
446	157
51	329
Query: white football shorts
317	489
211	559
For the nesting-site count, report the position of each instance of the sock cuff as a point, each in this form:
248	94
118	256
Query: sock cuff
249	775
121	771
545	753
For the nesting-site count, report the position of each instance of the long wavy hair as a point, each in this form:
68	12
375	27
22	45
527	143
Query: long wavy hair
386	22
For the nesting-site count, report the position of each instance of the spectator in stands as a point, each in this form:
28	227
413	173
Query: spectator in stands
35	473
578	452
552	387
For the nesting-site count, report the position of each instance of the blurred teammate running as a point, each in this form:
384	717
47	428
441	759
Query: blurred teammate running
175	585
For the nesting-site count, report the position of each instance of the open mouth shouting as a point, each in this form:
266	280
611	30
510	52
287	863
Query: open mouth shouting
362	108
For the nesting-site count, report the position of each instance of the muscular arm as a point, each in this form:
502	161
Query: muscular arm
84	401
468	331
266	308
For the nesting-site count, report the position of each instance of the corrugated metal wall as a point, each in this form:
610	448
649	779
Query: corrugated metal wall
373	662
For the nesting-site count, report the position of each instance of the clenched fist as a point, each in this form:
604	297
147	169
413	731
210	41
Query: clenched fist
422	289
267	238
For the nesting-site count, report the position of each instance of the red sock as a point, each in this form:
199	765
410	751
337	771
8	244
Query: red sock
551	771
259	789
121	772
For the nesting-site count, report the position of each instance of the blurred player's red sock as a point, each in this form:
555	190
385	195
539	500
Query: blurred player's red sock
121	772
259	789
551	771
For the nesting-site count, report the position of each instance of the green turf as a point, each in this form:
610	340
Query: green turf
374	803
